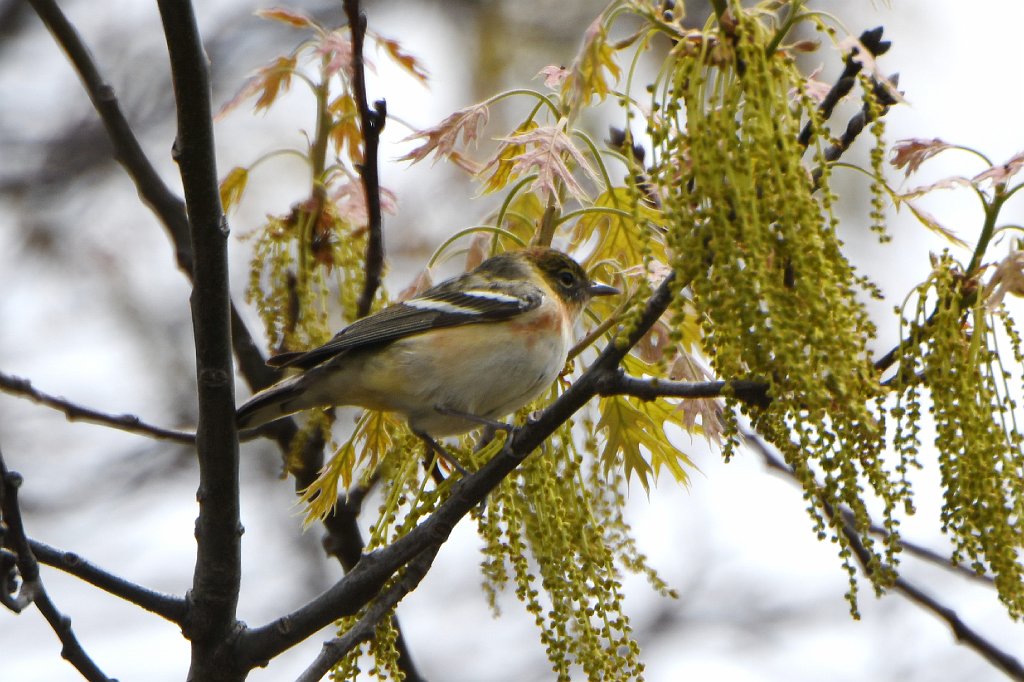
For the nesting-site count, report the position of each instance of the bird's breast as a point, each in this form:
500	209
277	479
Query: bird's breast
487	370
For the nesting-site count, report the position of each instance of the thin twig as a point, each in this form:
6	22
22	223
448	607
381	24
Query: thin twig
127	150
873	43
746	390
931	556
961	631
371	123
32	590
336	649
74	412
165	605
342	528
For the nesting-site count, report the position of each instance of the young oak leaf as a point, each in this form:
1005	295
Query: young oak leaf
630	429
402	58
270	81
816	89
554	76
376	436
624	427
289	16
1001	173
442	138
709	410
911	153
335	48
926	218
666	455
345	129
503	161
620	237
594	65
1008	278
350	201
548	151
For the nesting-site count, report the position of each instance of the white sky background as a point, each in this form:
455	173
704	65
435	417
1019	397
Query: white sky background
761	598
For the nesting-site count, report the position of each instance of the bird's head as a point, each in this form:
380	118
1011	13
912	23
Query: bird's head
566	277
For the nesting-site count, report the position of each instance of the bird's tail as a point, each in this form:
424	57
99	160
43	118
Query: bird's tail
280	400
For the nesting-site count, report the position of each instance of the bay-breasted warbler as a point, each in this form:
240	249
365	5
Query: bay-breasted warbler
471	349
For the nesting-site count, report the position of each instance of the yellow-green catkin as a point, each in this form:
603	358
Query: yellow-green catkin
952	355
777	298
552	511
304	264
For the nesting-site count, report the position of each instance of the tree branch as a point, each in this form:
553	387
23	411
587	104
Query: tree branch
12	536
933	557
127	150
745	390
166	606
363	631
961	631
214	596
371	123
123	422
873	43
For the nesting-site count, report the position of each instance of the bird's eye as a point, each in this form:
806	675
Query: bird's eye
567	279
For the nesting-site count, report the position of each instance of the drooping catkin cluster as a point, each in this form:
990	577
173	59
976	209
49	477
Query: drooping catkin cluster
950	356
776	296
304	265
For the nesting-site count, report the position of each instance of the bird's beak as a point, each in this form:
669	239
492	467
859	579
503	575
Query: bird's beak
602	290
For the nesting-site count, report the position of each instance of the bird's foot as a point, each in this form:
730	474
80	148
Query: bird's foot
440	451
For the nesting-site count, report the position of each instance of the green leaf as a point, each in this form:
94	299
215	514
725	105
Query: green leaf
633	428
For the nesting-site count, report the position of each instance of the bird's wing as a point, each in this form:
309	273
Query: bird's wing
464	300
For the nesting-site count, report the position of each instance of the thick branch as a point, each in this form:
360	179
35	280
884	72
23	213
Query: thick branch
371	122
170	210
12	534
215	587
364	630
123	422
164	605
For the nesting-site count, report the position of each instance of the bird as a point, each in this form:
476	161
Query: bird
461	355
